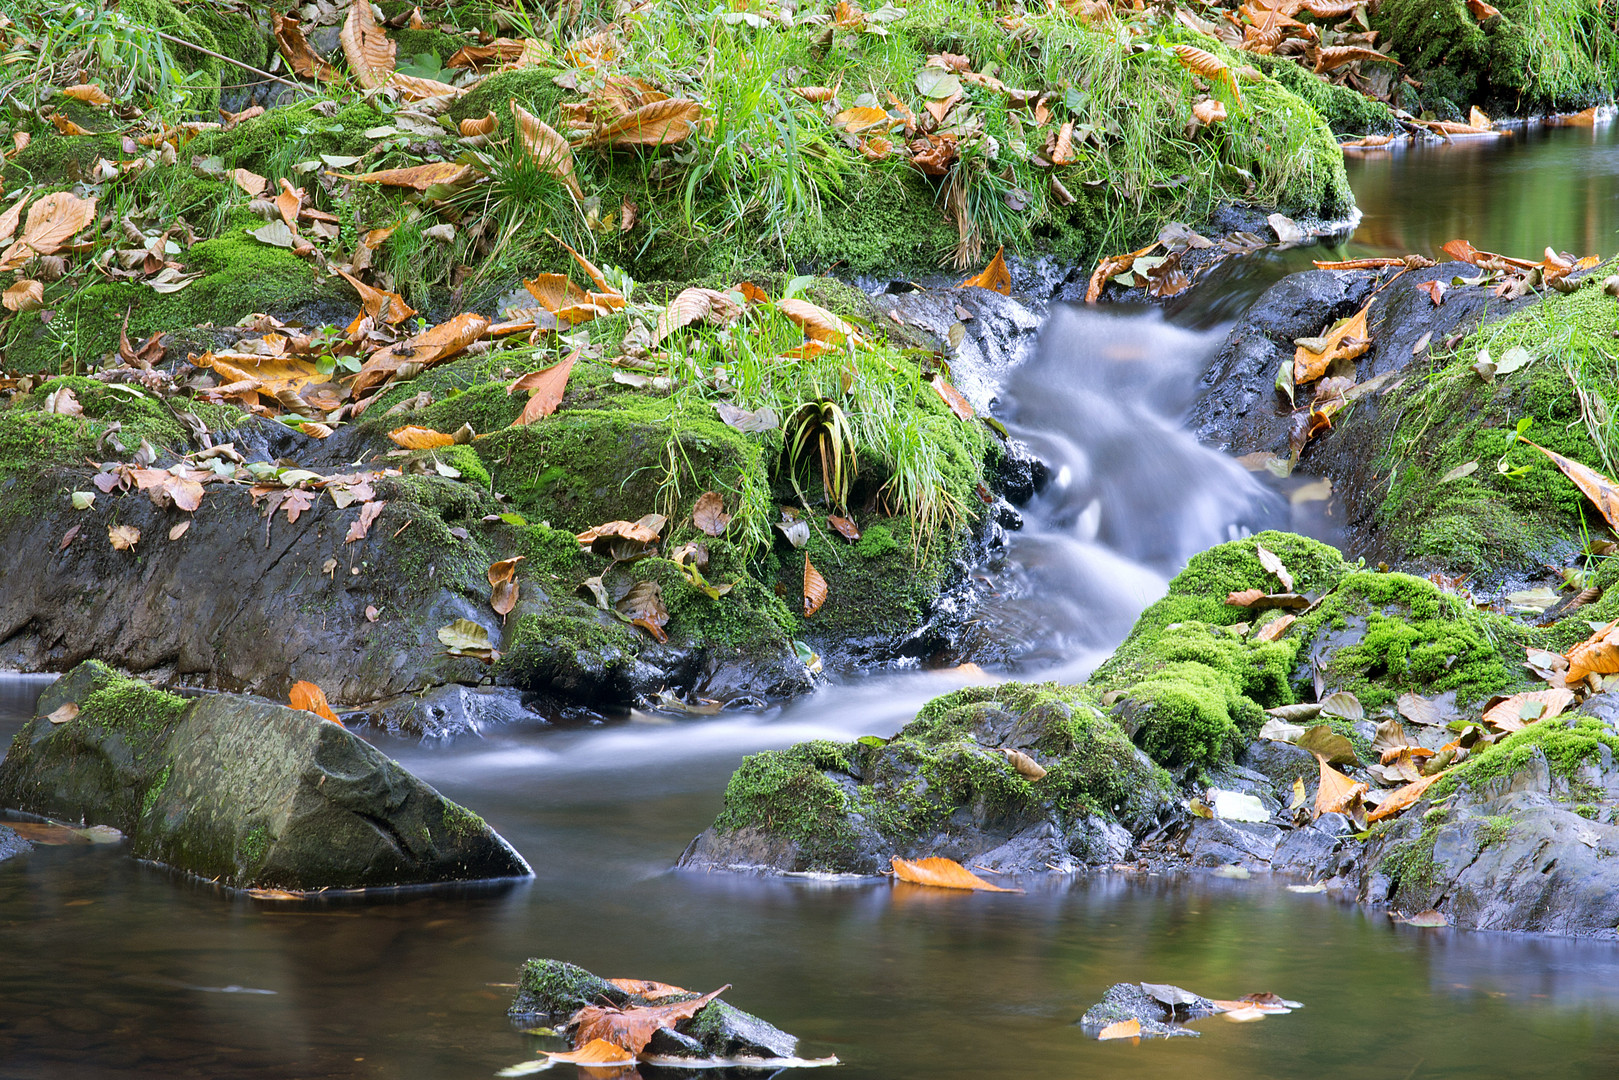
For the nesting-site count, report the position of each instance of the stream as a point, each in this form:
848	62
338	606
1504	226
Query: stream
111	968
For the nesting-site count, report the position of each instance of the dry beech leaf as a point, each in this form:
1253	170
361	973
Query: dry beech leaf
549	151
1507	715
1598	488
64	713
844	527
695	305
89	93
952	397
418	177
545	387
123	537
51	222
1402	798
387	307
422	351
1596	655
995	277
370	54
23	294
1209	111
1336	792
484	125
649	988
1345	342
709	514
1273	565
503	585
815	589
307	697
597	1052
658	123
1209	66
289	34
1026	766
1124	1029
420	438
817	323
941	873
633	1028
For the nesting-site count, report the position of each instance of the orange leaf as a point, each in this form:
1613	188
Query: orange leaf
51	222
647	988
633	1028
1209	111
644	531
659	123
1344	342
413	88
546	389
422	351
419	177
695	305
68	127
1507	715
481	126
815	589
555	292
1209	66
89	93
307	697
596	1052
1598	488
1403	797
289	34
817	323
250	182
1110	267
548	150
382	306
952	397
1595	656
1124	1029
941	873
1336	792
9	219
420	438
23	294
996	277
862	118
370	54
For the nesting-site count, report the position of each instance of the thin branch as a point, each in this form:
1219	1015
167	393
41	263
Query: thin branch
217	56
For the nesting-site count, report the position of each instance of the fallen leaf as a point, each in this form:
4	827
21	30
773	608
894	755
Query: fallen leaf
419	438
419	177
1402	798
1273	565
463	637
68	538
941	873
648	988
371	613
289	35
1435	291
51	222
545	387
1336	791
844	527
1598	488
817	323
23	294
1209	111
1123	1029
422	351
643	606
862	118
382	306
1429	918
752	421
658	123
1274	629
370	54
695	305
89	93
959	405
1026	766
1459	472
1343	704
369	512
64	713
1328	745
709	514
815	588
596	1052
548	150
1348	340
123	537
1509	713
1209	66
633	1028
307	697
995	277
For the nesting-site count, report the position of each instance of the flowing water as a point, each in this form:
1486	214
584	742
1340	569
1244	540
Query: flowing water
111	968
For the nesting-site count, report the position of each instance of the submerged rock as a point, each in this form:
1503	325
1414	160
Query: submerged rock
11	844
553	990
241	791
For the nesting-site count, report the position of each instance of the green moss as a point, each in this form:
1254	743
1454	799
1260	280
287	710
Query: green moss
461	822
571	637
1345	111
143	715
1494	830
1567	743
252	849
155	791
1410	865
787	793
556	988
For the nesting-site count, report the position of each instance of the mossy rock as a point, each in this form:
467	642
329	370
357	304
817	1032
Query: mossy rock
240	791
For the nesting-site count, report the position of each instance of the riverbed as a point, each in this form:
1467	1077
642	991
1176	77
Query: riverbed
112	968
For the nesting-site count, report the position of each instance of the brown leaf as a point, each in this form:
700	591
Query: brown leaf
845	528
1507	714
645	531
370	54
414	88
386	307
419	177
289	35
1336	792
815	589
89	93
695	305
709	514
817	323
179	530
633	1028
658	123
123	537
1344	342
1402	798
648	988
995	277
941	873
51	222
1123	1029
1273	565
1435	291
483	125
1209	66
68	538
420	438
1596	655
430	347
23	295
1274	629
1481	10
1112	266
548	150
952	397
546	389
1336	56
9	219
369	512
307	697
1598	488
596	1056
68	127
862	118
643	606
1209	111
1026	766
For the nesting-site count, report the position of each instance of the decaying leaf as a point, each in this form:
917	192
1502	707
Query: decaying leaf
1209	66
695	305
23	295
123	537
1328	745
657	123
545	388
1598	488
995	277
844	527
941	873
64	713
1336	791
1516	711
1598	654
817	323
1343	704
643	606
1124	1029
418	177
1026	766
1346	341
307	697
419	438
1273	565
52	221
549	151
1402	798
422	351
289	34
503	585
633	1028
370	54
815	588
709	514
464	637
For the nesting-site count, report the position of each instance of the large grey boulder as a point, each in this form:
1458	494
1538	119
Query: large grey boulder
240	790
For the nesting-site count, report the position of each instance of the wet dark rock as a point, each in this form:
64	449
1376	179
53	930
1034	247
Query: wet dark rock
446	711
1128	1001
1251	845
553	990
11	844
997	336
240	790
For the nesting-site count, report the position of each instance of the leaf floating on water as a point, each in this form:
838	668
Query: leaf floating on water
1316	888
1429	918
1124	1029
815	588
307	697
648	988
941	873
597	1052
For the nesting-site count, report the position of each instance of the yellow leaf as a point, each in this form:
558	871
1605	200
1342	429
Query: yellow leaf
307	697
995	277
1336	792
1124	1029
862	118
941	873
1345	342
370	54
420	438
596	1052
433	345
1402	798
123	537
817	323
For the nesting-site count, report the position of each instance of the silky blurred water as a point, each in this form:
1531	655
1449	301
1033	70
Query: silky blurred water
111	968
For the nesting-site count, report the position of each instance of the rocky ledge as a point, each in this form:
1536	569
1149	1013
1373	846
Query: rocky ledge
240	791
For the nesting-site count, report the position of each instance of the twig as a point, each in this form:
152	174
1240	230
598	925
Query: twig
218	56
